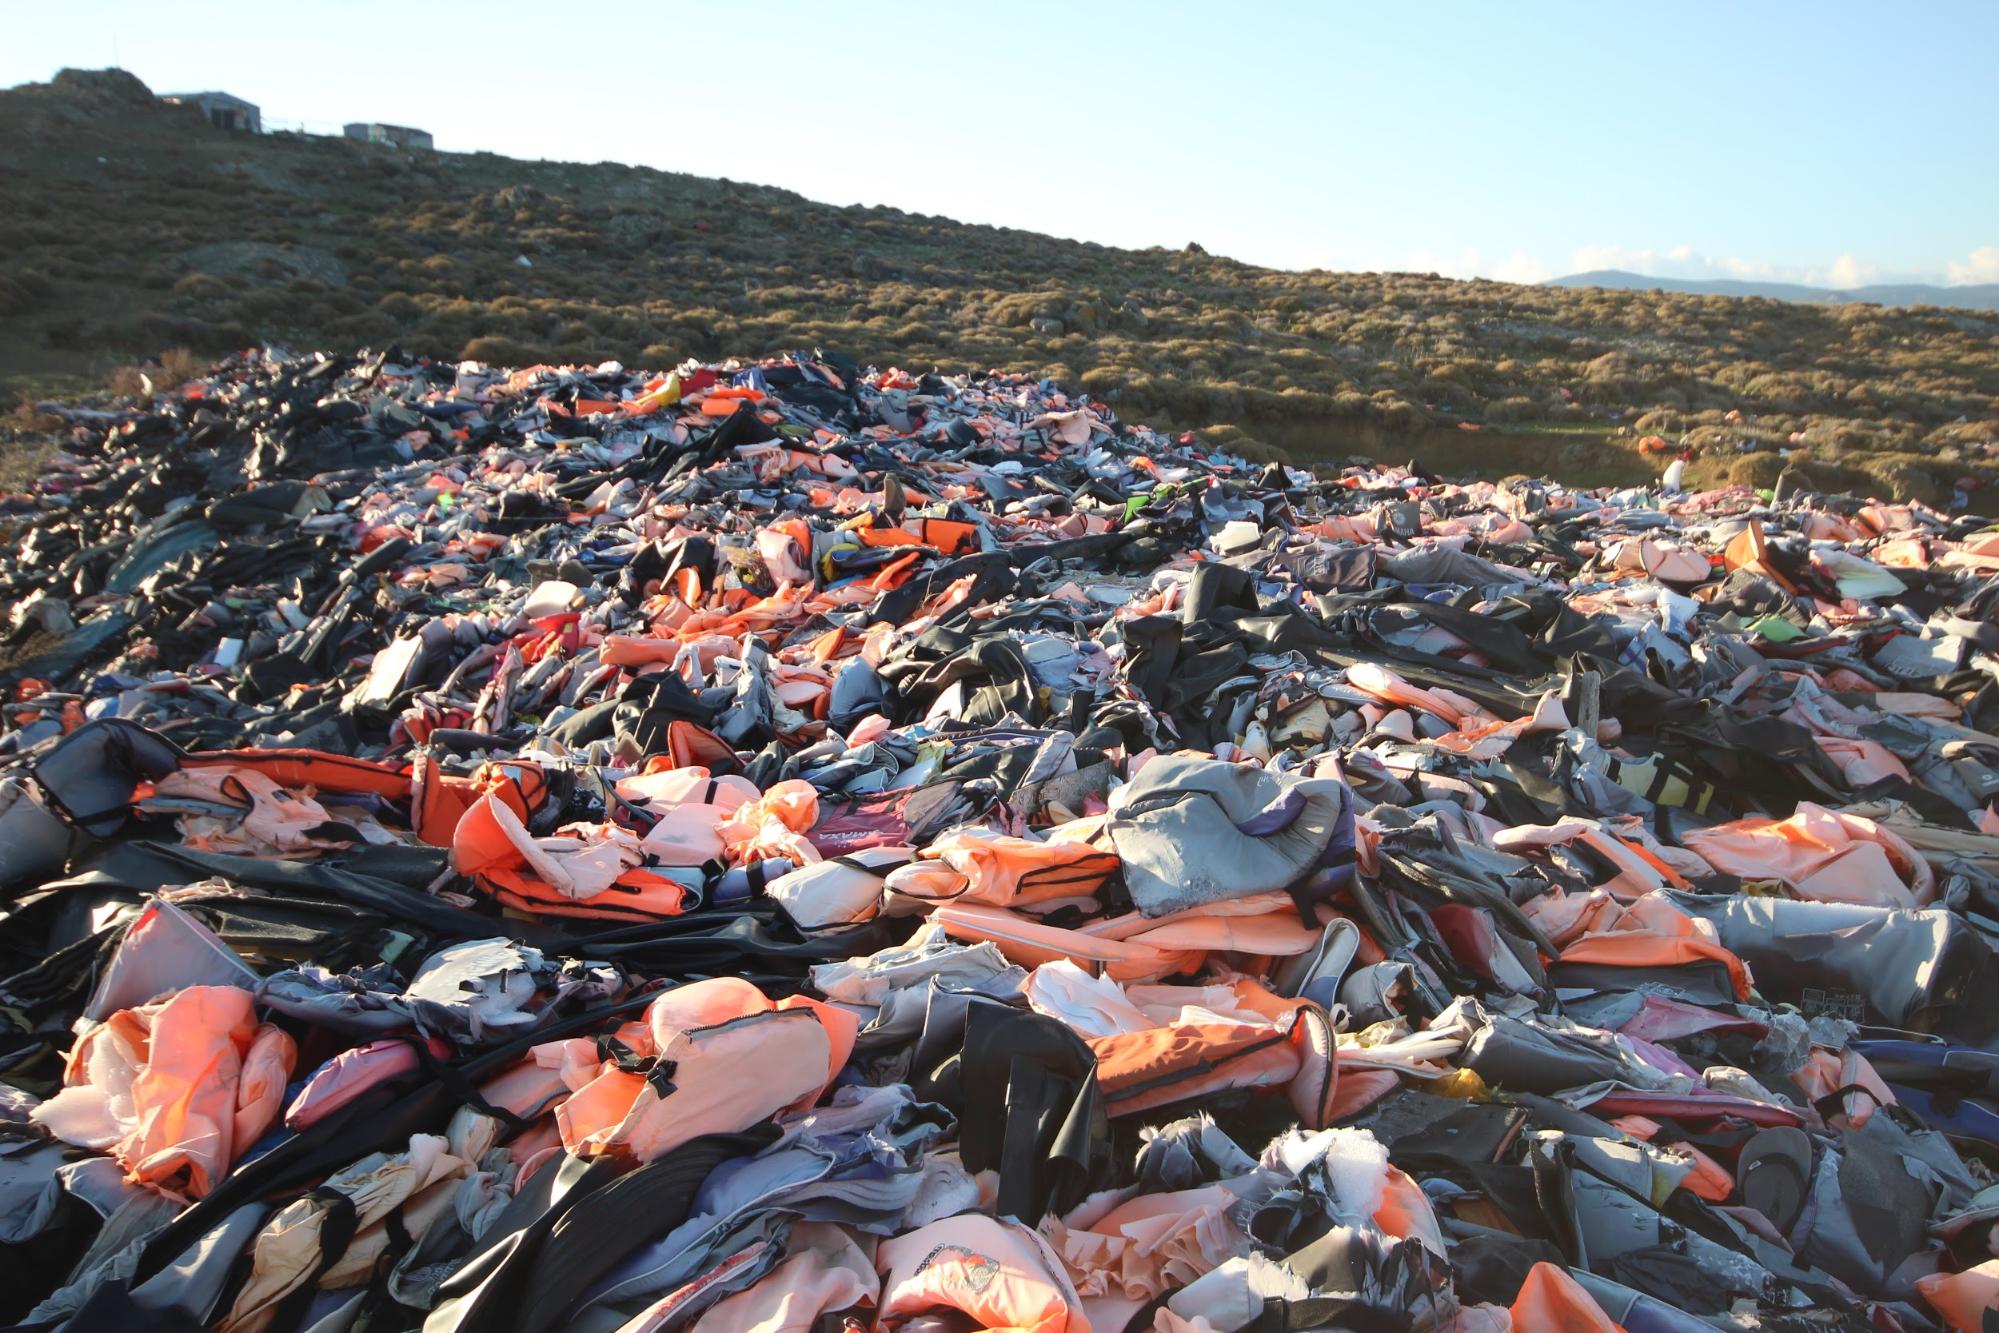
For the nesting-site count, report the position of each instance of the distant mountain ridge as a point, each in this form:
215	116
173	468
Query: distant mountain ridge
1973	296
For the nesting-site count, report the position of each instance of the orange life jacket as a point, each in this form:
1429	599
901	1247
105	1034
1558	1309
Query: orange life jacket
317	769
1140	1071
438	800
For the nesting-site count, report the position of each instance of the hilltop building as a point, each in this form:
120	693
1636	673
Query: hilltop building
224	110
401	136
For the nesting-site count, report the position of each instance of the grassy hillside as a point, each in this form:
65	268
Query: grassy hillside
128	227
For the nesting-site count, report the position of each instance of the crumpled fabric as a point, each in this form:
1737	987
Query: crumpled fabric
1003	871
709	1057
1153	1244
582	870
997	1273
415	1186
176	1090
476	991
823	1272
1821	854
784	844
1190	831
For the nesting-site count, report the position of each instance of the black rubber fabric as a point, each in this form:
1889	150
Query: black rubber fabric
544	1252
1024	1087
591	1238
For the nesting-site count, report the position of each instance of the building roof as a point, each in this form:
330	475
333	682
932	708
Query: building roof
207	97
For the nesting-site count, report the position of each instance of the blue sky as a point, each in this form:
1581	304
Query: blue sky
1826	142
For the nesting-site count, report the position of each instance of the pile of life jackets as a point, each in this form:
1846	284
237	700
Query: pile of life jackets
783	846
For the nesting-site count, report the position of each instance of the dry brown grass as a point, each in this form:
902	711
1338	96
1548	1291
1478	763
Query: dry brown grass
187	238
173	368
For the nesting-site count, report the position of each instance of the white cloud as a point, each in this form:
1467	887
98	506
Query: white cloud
1682	261
1459	265
1982	266
1519	267
1846	271
1470	263
1589	258
1737	267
